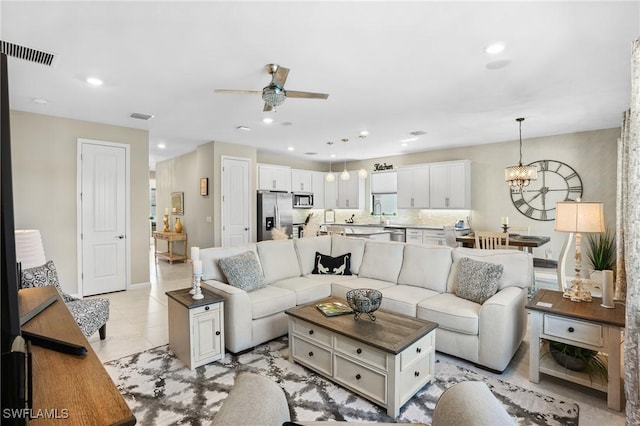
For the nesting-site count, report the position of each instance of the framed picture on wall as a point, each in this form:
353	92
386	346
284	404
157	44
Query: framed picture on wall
204	186
329	216
177	203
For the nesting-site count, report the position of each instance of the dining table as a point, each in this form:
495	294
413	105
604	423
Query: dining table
523	242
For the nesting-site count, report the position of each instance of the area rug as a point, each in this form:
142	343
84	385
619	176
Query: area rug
161	390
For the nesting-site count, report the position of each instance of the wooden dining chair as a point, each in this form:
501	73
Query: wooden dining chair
492	240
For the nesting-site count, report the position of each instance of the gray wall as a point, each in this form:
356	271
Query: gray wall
44	152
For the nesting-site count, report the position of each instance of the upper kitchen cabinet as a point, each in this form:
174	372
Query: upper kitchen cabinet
317	185
274	178
350	192
384	182
449	185
413	187
301	180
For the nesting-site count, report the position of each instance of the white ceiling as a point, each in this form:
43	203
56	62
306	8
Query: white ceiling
390	68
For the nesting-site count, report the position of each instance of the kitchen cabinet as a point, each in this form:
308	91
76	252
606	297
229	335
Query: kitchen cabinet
274	178
449	185
350	192
317	186
413	187
301	180
384	182
331	194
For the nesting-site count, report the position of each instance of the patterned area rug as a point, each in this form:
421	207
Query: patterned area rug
161	390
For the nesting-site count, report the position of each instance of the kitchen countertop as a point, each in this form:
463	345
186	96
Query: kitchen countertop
392	225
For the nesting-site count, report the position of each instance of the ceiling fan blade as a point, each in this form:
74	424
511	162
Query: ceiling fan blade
239	92
267	107
280	76
309	95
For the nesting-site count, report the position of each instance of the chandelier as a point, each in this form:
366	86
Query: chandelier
520	176
273	95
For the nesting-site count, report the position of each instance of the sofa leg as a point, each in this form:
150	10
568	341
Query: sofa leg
103	332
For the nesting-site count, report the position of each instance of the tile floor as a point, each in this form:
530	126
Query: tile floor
138	321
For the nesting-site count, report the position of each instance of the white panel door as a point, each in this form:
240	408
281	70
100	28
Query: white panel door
236	203
103	228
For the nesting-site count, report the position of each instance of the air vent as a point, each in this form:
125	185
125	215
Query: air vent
418	133
141	116
310	153
26	53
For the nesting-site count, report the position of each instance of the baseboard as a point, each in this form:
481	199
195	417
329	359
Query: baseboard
136	286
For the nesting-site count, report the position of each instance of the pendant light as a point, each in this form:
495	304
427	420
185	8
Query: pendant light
520	176
330	177
345	174
363	172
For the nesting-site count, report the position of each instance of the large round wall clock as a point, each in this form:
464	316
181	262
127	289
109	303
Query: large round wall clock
556	182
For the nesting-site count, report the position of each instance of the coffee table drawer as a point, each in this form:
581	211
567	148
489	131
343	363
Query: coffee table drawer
416	376
363	353
311	354
572	329
311	332
363	380
420	348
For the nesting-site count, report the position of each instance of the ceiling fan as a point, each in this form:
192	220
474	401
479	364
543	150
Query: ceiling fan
274	94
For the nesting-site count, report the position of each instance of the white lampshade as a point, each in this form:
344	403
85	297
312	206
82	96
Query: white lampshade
578	216
29	248
330	177
362	173
345	175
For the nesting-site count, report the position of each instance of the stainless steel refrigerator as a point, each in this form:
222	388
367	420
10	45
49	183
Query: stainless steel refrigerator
275	210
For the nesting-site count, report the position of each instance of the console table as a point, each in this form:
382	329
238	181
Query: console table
584	324
170	238
76	388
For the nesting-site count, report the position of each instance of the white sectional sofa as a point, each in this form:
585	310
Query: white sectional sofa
415	280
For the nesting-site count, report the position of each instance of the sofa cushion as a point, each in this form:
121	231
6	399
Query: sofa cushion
210	256
517	266
339	288
270	300
403	299
327	265
477	281
306	289
426	266
43	276
341	245
307	248
279	260
451	313
243	271
382	260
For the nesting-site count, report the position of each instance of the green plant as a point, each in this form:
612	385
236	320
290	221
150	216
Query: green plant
601	250
577	358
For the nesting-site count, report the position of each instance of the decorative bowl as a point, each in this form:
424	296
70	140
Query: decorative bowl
364	301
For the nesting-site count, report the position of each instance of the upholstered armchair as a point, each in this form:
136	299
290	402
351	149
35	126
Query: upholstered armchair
90	314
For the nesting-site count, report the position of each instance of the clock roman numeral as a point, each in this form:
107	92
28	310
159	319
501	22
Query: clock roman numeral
571	176
529	211
543	215
518	202
544	165
577	189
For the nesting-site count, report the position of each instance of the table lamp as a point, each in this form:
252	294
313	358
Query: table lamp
576	217
29	248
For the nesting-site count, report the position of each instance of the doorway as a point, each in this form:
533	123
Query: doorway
236	201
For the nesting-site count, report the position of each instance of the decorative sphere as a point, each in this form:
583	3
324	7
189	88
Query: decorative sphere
364	301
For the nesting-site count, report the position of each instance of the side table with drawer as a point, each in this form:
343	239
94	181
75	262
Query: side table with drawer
196	327
583	324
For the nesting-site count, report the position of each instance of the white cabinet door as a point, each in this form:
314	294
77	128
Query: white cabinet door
317	186
330	194
384	182
351	192
413	187
206	335
301	181
450	185
274	178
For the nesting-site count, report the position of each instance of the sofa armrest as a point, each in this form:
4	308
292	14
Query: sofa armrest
237	315
502	325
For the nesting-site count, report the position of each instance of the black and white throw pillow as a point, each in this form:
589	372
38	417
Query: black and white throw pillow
243	271
478	281
340	265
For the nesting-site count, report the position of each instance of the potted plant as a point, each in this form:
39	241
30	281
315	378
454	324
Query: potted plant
601	253
578	359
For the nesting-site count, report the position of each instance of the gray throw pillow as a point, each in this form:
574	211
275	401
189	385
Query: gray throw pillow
477	281
243	271
42	276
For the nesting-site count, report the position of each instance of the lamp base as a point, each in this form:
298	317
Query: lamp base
576	292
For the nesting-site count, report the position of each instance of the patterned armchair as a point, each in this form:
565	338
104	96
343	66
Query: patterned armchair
90	314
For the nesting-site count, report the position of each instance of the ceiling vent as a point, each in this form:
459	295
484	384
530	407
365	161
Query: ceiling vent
418	133
26	53
141	116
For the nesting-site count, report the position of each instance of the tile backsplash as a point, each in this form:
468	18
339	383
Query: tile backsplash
404	216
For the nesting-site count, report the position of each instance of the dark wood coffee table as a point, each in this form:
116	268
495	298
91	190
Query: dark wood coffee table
386	361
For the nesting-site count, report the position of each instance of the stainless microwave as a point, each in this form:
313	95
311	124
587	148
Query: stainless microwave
302	200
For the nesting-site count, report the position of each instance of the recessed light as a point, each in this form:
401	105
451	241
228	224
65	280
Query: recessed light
267	120
94	81
404	144
404	141
161	146
332	156
39	101
290	148
494	48
244	128
364	134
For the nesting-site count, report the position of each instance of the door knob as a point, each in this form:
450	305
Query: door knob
246	229
120	237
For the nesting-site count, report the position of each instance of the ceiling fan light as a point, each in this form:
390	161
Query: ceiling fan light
362	173
273	95
330	177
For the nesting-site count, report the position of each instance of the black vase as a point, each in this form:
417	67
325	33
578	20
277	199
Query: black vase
568	361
